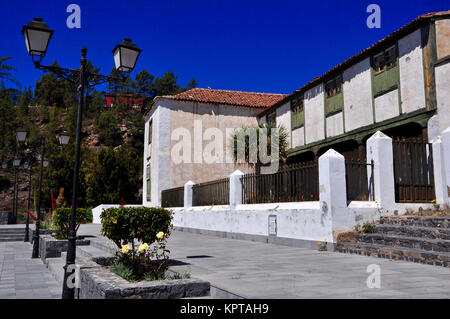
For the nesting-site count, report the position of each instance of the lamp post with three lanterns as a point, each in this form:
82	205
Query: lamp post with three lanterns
37	36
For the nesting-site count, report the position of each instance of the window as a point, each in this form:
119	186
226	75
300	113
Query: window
271	119
334	86
297	104
385	71
150	128
297	114
385	60
149	183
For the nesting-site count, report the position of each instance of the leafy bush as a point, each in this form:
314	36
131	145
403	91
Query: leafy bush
148	225
127	224
61	218
366	228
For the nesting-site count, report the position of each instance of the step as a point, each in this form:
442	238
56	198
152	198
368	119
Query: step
395	253
55	265
12	231
413	231
90	251
437	245
105	245
20	237
419	221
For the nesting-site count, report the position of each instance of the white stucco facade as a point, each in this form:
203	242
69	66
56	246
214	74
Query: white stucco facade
412	85
314	114
357	88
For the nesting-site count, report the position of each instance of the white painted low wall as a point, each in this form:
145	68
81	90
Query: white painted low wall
300	220
98	210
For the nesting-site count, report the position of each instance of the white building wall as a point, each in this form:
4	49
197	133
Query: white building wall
442	75
386	106
160	159
335	125
283	114
298	137
314	114
411	72
357	88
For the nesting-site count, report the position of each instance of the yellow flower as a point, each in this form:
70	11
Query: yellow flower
318	243
143	247
160	235
114	221
325	239
125	249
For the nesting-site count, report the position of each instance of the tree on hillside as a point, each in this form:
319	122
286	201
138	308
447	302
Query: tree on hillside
6	70
107	128
53	90
113	176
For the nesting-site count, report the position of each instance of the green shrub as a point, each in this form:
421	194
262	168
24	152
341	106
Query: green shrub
61	219
148	225
127	224
123	271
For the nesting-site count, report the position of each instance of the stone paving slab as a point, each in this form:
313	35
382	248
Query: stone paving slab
259	270
22	277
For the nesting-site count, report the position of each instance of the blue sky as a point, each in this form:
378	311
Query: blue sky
247	45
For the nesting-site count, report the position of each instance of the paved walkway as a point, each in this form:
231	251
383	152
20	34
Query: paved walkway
22	277
258	270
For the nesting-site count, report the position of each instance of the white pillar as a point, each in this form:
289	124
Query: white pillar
236	188
446	155
333	190
440	181
379	149
188	194
433	128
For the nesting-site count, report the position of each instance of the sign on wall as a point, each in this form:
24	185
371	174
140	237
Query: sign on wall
272	225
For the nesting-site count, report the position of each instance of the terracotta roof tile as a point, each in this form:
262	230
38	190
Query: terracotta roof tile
238	98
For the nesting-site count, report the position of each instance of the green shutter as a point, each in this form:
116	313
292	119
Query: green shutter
297	119
149	184
385	81
334	103
149	190
150	128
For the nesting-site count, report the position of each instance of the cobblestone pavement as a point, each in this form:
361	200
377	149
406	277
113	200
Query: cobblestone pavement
22	277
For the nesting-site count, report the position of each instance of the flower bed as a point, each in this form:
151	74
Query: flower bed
97	281
50	247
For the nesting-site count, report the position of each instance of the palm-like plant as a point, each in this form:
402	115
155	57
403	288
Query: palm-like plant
242	134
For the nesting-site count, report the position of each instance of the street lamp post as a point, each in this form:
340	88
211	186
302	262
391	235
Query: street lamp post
21	135
27	225
16	164
37	36
35	253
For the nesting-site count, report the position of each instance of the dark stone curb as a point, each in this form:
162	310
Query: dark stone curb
97	282
50	247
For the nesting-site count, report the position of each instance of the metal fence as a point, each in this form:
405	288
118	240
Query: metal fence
295	183
211	193
173	197
359	185
413	171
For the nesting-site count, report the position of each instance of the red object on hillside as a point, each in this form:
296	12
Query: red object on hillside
32	215
127	99
53	201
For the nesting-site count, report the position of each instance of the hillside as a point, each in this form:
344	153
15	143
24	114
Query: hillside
112	146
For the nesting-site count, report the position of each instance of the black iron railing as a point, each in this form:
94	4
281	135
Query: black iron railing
211	193
173	197
359	179
295	183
